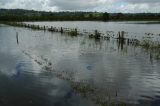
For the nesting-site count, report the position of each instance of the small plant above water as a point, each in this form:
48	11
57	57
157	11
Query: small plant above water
73	32
148	44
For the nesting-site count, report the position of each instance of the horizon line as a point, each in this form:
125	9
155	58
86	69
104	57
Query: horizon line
80	11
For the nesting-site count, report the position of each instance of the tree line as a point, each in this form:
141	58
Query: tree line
31	15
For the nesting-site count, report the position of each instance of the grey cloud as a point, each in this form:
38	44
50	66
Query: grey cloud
142	1
86	5
75	4
23	4
5	1
142	5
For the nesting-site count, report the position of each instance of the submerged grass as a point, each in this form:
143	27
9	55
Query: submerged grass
81	88
86	90
73	32
148	44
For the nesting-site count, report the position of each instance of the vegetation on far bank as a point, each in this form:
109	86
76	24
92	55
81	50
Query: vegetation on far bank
31	15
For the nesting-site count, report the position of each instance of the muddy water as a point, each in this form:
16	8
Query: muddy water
117	72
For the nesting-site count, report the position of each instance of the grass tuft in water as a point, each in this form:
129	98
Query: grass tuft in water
73	32
148	44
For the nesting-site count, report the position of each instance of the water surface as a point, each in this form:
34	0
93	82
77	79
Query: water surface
120	72
138	27
24	83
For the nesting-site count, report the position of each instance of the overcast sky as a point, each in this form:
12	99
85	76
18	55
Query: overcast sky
124	6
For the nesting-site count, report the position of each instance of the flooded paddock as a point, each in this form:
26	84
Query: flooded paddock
55	69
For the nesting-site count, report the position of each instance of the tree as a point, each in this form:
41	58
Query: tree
120	16
105	16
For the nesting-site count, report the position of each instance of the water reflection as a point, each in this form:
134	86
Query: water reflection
35	90
24	83
118	71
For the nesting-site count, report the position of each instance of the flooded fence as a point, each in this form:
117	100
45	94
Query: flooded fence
120	36
91	92
84	89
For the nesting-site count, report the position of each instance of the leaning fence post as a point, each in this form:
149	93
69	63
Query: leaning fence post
17	37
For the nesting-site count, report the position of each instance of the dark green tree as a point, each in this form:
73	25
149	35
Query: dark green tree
105	16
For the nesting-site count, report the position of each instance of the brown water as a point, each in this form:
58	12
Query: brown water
118	72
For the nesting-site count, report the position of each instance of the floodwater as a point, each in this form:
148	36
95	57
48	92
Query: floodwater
128	26
119	73
23	82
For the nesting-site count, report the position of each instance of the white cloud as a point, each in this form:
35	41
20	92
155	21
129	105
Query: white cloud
141	1
28	4
133	8
85	5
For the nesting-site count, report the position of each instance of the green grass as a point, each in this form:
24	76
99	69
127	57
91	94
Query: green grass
148	44
73	32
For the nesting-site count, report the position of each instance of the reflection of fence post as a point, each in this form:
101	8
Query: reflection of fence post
61	30
17	37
